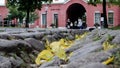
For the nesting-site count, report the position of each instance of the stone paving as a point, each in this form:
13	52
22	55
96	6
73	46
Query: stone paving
19	47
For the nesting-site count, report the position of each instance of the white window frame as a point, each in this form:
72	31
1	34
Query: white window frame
42	19
53	17
110	11
94	16
53	21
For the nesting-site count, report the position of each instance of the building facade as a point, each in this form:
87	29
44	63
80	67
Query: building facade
61	10
3	11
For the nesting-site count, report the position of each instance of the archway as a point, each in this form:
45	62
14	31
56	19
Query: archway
76	11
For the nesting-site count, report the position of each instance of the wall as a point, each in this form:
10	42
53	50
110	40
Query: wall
61	9
3	11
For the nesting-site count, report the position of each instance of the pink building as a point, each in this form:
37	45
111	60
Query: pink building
60	10
3	11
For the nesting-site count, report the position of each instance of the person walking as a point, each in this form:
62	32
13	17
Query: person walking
79	23
71	25
75	25
68	24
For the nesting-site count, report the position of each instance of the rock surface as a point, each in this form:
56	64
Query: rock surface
19	49
35	44
94	65
5	62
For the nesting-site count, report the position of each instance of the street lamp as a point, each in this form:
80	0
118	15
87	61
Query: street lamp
46	10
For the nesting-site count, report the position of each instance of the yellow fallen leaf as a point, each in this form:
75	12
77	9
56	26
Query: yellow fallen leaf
58	50
44	56
109	60
77	37
107	46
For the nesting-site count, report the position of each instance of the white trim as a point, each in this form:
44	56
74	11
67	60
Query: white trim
55	13
97	11
66	1
110	11
42	19
2	2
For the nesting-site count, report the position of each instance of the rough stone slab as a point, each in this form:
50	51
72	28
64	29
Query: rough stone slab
87	48
89	58
16	62
95	65
55	62
37	45
78	44
13	45
5	62
116	40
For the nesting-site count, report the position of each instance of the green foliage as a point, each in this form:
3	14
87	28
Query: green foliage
24	5
14	13
94	2
109	38
96	38
33	16
116	2
115	28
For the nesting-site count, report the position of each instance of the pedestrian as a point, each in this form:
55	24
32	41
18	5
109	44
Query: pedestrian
79	23
75	25
84	25
71	25
68	24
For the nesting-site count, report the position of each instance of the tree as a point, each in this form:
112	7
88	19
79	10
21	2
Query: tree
27	6
33	17
94	2
14	13
104	14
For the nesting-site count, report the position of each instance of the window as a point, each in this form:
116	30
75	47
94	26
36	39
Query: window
44	19
56	20
110	17
0	18
97	17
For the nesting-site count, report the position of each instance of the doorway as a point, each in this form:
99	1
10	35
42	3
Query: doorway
76	11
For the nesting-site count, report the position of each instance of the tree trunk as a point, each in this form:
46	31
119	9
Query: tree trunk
27	19
104	14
